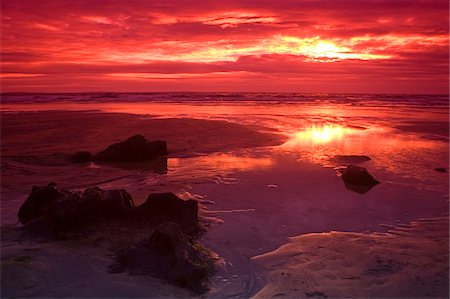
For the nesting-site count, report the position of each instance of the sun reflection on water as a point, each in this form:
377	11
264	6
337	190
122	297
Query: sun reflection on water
321	134
224	162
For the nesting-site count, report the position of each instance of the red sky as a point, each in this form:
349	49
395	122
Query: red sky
354	46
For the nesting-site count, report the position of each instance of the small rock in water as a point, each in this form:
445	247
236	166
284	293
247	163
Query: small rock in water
441	169
134	149
358	179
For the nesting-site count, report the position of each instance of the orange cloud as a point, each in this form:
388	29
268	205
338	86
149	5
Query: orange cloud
363	46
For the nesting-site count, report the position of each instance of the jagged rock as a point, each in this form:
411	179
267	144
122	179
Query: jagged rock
60	210
81	157
358	179
38	201
166	207
134	149
441	169
168	254
113	204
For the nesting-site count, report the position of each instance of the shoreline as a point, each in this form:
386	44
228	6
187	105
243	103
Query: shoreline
237	172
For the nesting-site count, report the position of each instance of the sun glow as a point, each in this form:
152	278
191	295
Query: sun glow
317	49
313	49
322	134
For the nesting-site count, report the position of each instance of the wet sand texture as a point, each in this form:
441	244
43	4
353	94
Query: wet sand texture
45	133
409	261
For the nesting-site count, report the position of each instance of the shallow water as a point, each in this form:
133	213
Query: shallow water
404	135
256	198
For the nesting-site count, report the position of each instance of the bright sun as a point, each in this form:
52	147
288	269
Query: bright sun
326	49
317	49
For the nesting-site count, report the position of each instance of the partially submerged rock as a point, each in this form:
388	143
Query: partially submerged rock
441	169
357	179
165	207
134	149
168	254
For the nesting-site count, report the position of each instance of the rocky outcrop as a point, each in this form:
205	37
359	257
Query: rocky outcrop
171	253
60	210
357	179
168	254
134	149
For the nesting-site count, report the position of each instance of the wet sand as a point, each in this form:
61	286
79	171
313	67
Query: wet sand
49	133
409	261
35	151
36	147
254	195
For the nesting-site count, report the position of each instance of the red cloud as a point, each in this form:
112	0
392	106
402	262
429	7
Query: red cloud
329	46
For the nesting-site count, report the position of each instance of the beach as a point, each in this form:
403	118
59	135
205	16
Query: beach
266	177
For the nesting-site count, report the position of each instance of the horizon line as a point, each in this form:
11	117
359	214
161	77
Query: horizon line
224	92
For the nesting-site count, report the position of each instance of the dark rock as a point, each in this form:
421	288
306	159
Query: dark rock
166	207
441	169
107	204
168	254
60	210
65	214
38	201
358	179
134	149
81	157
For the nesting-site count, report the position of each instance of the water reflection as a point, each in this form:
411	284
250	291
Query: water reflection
156	165
399	139
406	154
319	134
217	164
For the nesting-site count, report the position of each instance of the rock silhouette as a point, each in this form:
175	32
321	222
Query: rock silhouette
59	210
134	149
170	253
357	179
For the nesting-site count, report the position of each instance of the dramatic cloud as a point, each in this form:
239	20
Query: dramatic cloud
285	45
